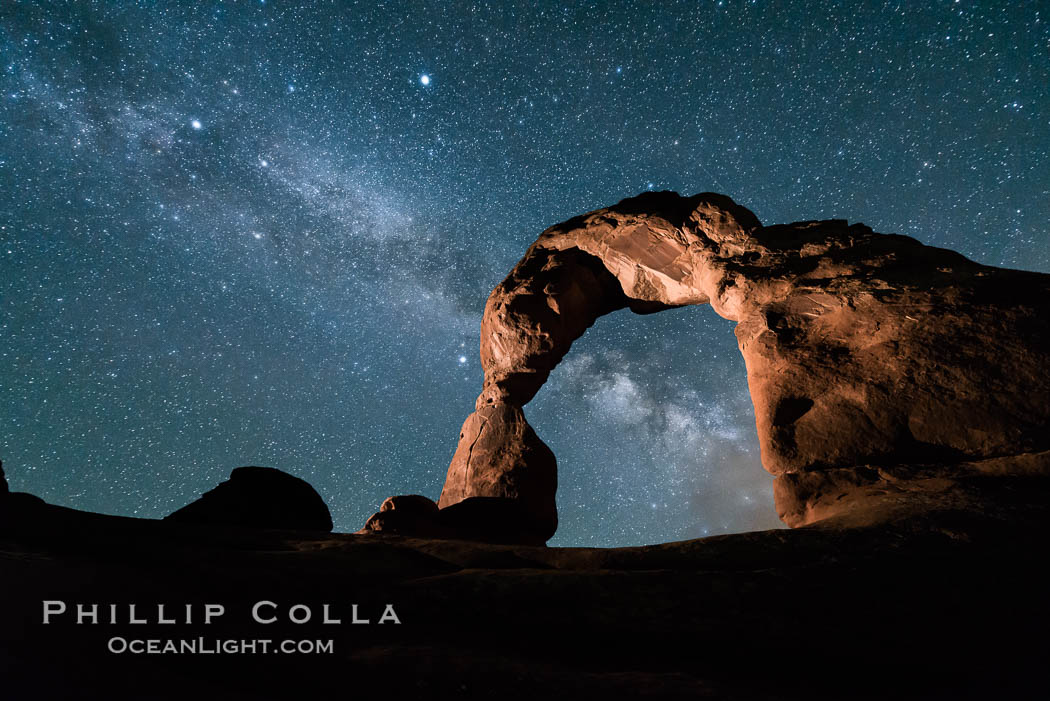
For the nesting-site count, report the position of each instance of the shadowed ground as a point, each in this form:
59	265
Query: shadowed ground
952	607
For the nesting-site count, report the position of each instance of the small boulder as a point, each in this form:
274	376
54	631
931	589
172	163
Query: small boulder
259	497
416	504
408	514
480	519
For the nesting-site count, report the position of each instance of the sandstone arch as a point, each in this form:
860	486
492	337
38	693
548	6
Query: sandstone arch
886	375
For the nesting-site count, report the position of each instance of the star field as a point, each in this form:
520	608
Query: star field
239	233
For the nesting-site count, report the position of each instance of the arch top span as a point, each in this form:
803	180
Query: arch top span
873	361
651	252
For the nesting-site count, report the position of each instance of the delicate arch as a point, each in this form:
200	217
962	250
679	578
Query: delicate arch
874	363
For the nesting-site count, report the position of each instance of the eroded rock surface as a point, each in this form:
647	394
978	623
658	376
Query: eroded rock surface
259	497
881	370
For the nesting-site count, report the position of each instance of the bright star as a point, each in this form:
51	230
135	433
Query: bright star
424	79
462	359
195	124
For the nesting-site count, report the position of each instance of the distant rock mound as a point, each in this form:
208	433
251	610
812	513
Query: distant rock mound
259	497
887	376
17	508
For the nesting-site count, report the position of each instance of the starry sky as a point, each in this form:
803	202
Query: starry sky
238	233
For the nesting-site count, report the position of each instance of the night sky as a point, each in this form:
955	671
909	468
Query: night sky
238	233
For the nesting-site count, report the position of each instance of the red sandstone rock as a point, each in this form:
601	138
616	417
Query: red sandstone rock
499	455
863	350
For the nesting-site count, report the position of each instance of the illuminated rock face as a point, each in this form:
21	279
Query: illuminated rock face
886	376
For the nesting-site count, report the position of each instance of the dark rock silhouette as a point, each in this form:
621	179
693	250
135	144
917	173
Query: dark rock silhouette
259	497
410	513
415	504
494	520
886	375
480	519
17	507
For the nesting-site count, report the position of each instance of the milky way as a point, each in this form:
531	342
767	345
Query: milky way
264	232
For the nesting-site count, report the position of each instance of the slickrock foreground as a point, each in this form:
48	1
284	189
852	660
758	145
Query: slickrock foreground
887	376
904	610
